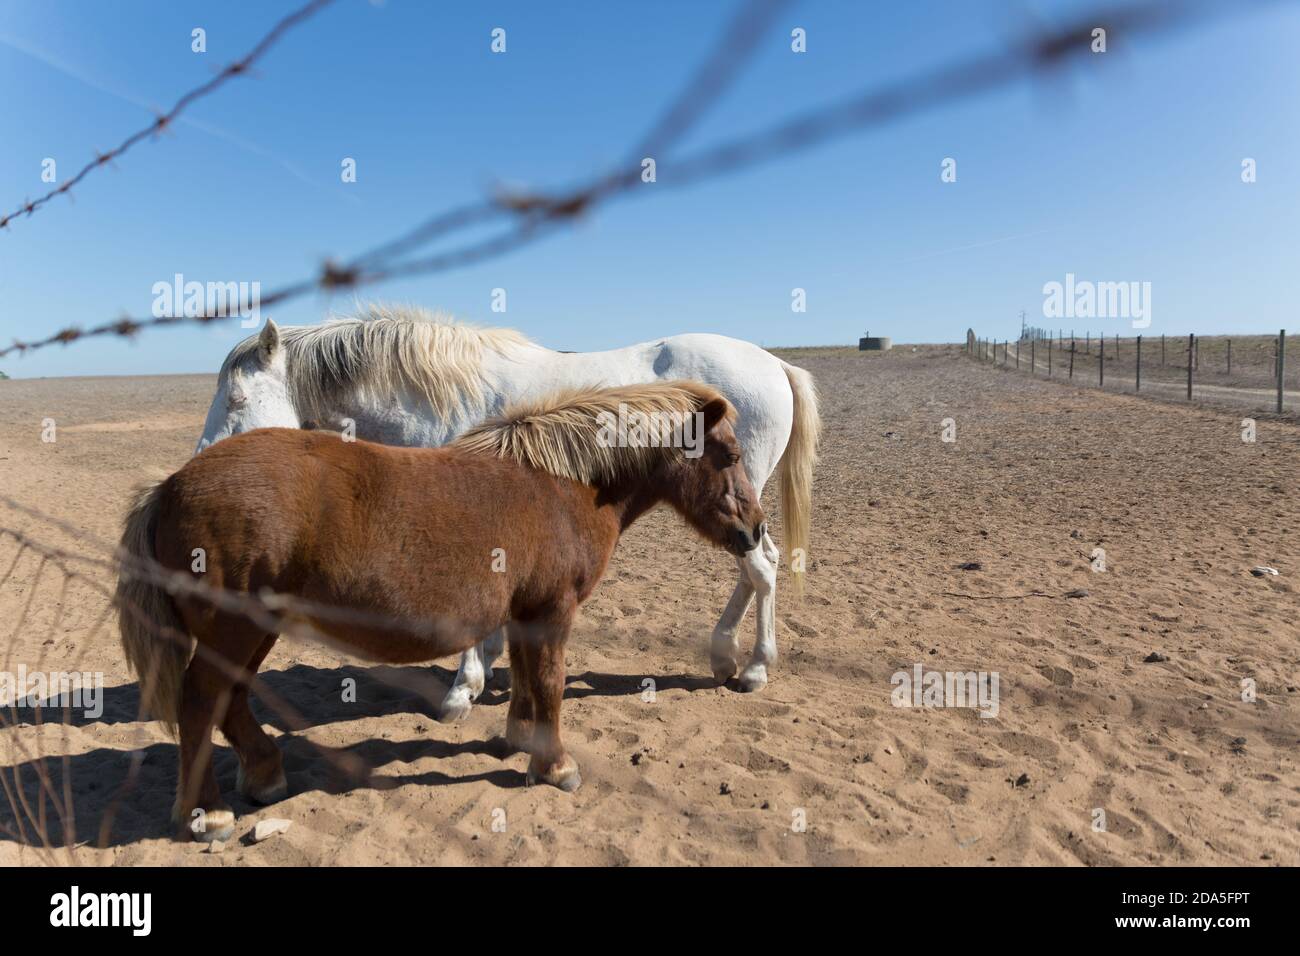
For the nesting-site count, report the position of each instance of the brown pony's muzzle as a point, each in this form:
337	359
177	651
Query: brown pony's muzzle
744	540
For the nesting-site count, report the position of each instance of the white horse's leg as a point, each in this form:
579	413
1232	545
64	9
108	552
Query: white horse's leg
761	564
465	689
475	669
492	649
724	649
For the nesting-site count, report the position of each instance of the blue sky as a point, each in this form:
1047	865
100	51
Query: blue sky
1125	167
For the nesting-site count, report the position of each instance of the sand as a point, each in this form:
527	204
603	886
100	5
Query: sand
1095	756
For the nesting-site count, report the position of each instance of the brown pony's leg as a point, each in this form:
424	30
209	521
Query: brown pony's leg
206	695
549	762
261	768
519	719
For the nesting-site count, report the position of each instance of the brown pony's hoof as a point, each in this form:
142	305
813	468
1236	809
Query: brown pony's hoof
272	791
213	825
563	775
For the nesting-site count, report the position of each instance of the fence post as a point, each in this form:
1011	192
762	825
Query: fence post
1033	356
1049	356
1229	356
1101	362
1116	346
1138	384
1281	366
1071	355
1162	350
1191	349
1087	343
1197	352
1017	353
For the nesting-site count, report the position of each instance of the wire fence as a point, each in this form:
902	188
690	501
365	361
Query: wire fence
38	786
530	216
1193	368
241	67
41	812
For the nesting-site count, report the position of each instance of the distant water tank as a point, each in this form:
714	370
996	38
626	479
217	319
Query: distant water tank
869	344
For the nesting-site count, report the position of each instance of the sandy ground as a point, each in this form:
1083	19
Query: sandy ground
819	767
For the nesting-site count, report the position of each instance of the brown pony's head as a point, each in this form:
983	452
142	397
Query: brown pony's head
709	486
659	441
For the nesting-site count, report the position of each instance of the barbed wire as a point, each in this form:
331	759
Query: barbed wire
275	612
25	817
239	67
532	216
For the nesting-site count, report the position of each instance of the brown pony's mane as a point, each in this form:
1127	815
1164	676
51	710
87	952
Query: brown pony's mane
562	433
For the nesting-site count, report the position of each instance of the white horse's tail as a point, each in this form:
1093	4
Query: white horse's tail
796	469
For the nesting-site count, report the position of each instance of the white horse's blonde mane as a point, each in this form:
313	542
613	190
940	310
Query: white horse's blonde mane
561	433
382	351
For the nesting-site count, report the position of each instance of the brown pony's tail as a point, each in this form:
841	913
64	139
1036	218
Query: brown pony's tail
796	469
154	639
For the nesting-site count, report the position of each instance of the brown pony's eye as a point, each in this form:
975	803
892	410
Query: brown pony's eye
733	458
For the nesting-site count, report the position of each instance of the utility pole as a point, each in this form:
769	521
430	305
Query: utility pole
1022	323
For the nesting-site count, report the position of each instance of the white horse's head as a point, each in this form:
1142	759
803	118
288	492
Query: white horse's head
252	391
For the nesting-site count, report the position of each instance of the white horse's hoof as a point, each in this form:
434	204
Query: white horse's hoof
724	668
217	825
455	706
754	678
272	792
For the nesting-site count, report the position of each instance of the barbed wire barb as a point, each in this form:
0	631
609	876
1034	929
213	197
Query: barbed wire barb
534	215
163	121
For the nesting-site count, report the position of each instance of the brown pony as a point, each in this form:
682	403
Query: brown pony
405	540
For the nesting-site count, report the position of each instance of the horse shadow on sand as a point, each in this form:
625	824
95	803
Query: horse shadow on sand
121	796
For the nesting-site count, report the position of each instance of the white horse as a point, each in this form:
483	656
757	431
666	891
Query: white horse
402	377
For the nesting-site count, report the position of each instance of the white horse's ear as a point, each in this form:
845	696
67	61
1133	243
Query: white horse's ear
268	342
